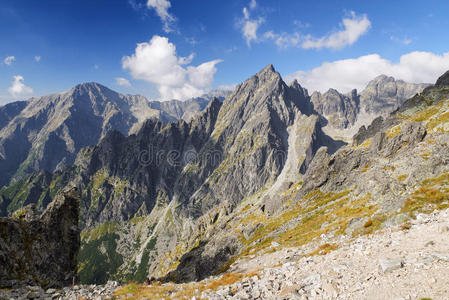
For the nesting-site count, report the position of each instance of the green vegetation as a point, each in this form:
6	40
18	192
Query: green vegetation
402	177
142	270
16	193
96	233
98	259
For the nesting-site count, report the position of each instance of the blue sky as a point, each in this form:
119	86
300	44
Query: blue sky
189	47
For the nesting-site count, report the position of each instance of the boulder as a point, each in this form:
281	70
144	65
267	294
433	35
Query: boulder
41	250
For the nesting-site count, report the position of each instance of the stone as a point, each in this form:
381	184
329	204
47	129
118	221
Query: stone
274	244
47	245
389	265
429	243
33	295
443	229
440	256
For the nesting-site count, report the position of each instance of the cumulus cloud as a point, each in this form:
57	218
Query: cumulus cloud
37	58
344	75
248	25
18	89
122	81
157	62
352	29
9	60
161	7
283	40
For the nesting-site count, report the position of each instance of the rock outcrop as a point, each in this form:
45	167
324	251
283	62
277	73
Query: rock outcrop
41	250
339	110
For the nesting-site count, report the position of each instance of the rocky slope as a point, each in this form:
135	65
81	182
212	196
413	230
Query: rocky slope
46	133
41	250
399	262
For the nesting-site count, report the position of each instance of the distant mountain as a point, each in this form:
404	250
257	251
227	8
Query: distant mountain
381	96
46	133
384	94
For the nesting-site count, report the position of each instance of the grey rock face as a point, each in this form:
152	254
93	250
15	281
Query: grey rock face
331	172
339	110
9	111
198	263
443	80
377	125
41	250
411	133
385	94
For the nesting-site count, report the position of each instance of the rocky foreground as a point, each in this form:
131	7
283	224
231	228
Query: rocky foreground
410	261
97	292
397	263
41	249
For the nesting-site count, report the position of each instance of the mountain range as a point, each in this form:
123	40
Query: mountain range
159	196
46	133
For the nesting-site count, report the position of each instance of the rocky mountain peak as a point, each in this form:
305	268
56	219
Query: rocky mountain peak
86	86
296	86
95	92
443	80
213	105
381	79
268	69
267	74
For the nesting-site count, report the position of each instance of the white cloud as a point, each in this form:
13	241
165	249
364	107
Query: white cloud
352	28
122	81
252	4
37	58
405	41
9	60
161	7
186	60
157	62
250	26
300	24
227	87
344	75
135	5
283	40
18	88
